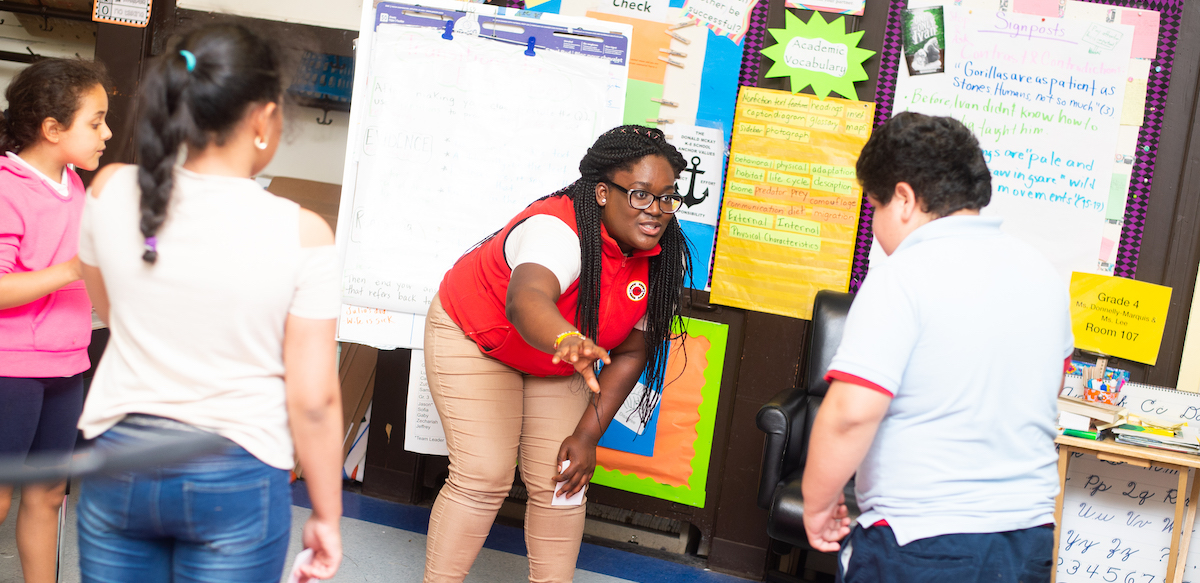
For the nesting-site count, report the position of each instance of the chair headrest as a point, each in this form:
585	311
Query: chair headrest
824	335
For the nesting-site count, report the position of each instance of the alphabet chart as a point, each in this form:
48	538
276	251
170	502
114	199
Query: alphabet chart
463	115
1117	518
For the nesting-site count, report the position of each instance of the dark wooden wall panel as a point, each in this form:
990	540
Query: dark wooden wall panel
1171	246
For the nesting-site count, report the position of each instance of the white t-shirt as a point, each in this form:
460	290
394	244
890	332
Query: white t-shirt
967	328
547	241
198	336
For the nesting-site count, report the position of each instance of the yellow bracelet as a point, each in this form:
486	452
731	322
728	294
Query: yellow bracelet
558	340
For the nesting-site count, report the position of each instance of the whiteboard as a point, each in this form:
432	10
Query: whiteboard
1044	97
450	138
1117	518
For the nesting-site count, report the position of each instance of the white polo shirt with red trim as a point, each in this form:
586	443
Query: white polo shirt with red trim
966	328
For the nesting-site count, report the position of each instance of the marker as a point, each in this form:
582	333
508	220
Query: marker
671	62
677	37
672	53
664	102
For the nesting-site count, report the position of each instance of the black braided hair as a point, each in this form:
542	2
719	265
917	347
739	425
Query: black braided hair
233	69
49	88
620	149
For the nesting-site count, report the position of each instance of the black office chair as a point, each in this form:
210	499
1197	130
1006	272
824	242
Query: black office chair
787	420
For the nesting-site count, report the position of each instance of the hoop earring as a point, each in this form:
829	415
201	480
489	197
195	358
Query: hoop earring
260	143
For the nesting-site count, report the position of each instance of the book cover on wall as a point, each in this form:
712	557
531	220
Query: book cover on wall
924	40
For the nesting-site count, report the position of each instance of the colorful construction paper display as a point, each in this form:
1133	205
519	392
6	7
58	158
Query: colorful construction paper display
678	469
790	215
818	54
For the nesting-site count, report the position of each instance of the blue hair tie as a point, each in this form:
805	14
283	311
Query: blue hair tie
190	58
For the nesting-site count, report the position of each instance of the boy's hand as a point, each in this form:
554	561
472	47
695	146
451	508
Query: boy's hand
826	526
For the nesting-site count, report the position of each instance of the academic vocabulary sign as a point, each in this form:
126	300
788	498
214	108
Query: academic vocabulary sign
1117	316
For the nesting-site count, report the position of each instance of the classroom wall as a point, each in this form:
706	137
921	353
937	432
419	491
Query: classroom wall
17	39
328	13
310	150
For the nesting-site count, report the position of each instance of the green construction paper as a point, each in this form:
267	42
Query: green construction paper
1118	195
638	107
830	36
692	494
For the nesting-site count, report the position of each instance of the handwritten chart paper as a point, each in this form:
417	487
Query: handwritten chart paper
453	138
791	201
1117	518
1045	99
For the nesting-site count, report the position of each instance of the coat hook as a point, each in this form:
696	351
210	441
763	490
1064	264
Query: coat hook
325	120
46	24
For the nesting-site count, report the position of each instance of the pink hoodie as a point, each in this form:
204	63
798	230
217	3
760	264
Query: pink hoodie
49	336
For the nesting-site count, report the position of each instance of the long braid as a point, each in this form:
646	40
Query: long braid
196	100
619	149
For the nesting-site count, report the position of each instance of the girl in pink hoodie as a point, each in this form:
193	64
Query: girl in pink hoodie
55	119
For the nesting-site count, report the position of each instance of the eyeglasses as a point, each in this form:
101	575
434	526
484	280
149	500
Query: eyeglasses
642	199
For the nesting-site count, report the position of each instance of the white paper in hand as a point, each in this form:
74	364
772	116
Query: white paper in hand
303	558
575	500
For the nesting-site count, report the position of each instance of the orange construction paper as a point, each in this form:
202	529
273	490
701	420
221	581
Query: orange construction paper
679	412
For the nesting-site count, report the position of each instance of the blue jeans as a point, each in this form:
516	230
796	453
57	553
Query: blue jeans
1003	557
218	518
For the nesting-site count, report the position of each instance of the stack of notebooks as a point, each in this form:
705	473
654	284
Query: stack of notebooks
1159	437
1079	418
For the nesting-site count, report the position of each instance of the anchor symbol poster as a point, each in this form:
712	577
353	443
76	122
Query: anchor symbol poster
703	150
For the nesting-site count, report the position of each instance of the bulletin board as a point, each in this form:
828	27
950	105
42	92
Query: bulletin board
1147	143
676	468
683	80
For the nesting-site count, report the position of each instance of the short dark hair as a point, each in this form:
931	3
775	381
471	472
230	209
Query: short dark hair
49	88
938	156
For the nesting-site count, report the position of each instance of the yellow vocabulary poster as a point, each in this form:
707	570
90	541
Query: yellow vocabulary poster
790	213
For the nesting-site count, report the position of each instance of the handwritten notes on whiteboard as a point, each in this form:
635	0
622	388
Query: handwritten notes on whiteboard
456	138
1117	518
1044	97
791	206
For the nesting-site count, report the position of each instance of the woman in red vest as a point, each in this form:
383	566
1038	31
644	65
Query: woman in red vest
589	274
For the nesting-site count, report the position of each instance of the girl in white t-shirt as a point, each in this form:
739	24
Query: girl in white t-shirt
222	300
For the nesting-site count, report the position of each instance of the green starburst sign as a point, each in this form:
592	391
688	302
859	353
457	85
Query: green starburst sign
819	54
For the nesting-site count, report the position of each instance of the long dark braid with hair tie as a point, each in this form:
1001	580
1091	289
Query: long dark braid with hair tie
619	149
195	95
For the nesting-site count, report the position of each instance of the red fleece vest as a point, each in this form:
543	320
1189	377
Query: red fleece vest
474	290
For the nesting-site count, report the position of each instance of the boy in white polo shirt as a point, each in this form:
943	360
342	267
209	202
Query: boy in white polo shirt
942	394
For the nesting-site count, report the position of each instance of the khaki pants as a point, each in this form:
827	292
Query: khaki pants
494	416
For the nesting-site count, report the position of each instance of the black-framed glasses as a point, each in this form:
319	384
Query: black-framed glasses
642	199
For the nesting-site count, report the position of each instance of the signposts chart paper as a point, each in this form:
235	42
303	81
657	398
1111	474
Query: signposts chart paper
1044	96
457	136
790	215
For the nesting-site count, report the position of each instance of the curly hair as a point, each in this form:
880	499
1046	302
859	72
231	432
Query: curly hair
49	88
938	156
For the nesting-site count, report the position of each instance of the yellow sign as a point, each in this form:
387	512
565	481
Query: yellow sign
791	201
1117	316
